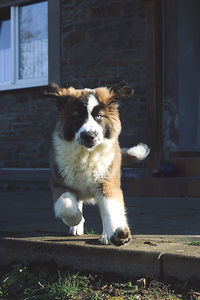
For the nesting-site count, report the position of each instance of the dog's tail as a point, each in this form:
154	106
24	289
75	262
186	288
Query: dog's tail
134	154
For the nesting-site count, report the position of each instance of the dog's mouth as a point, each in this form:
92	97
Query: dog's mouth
88	139
87	145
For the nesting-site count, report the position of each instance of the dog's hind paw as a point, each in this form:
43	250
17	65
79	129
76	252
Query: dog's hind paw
141	151
78	229
121	236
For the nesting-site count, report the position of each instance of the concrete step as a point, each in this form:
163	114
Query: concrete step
162	187
186	167
135	182
153	257
162	227
140	183
28	178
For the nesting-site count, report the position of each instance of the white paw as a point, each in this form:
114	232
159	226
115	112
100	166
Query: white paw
78	229
104	239
141	151
66	208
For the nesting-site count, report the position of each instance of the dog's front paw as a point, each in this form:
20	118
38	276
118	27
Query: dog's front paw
66	208
121	236
104	239
141	151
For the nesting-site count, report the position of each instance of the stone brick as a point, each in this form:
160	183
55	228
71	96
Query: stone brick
130	6
106	10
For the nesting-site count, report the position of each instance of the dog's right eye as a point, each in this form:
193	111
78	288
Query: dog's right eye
75	115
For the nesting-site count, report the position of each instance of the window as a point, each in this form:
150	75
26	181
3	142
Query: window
24	46
5	45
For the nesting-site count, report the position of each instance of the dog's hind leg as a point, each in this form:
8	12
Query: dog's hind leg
78	229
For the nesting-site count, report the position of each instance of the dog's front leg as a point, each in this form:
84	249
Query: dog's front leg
66	208
115	227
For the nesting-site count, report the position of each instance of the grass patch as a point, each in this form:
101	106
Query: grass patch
47	282
193	243
23	282
69	285
91	232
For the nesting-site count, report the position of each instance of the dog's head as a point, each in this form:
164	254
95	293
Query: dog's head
89	116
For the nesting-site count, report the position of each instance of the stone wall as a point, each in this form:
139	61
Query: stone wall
102	42
26	122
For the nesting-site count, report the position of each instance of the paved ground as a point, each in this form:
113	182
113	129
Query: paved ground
31	212
161	228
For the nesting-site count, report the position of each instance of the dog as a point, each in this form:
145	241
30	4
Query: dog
86	158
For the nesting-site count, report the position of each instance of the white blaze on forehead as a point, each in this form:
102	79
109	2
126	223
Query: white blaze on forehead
92	102
91	125
88	90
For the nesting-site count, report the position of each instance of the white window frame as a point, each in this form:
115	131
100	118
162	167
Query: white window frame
15	82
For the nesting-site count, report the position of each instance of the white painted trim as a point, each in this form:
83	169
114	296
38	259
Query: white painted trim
16	54
24	169
24	84
12	20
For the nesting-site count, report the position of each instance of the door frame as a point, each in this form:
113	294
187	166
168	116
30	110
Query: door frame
154	82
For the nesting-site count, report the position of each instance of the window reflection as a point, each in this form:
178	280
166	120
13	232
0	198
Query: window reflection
33	39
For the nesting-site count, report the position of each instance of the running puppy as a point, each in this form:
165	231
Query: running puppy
86	158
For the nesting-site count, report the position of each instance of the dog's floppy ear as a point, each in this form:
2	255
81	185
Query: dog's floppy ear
61	94
54	91
121	90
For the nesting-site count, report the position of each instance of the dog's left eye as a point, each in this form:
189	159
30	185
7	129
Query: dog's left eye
98	117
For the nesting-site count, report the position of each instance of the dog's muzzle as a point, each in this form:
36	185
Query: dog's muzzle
88	139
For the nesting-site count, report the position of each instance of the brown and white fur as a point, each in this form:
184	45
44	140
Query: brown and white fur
86	159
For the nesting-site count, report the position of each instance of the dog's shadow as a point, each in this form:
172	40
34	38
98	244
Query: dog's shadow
77	241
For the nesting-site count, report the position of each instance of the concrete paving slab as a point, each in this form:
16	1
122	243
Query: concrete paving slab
182	267
82	254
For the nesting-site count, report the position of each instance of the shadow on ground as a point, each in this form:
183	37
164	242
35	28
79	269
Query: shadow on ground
26	213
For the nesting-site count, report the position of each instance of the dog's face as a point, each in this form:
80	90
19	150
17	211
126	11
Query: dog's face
89	116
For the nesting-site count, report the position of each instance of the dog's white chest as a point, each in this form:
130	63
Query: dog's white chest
81	169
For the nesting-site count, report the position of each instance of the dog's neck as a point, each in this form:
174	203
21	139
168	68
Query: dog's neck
69	149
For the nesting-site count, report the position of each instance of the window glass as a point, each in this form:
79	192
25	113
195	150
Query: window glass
33	41
5	45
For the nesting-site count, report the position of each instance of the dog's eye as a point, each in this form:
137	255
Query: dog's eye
98	117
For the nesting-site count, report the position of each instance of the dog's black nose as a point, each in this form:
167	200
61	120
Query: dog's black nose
87	138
